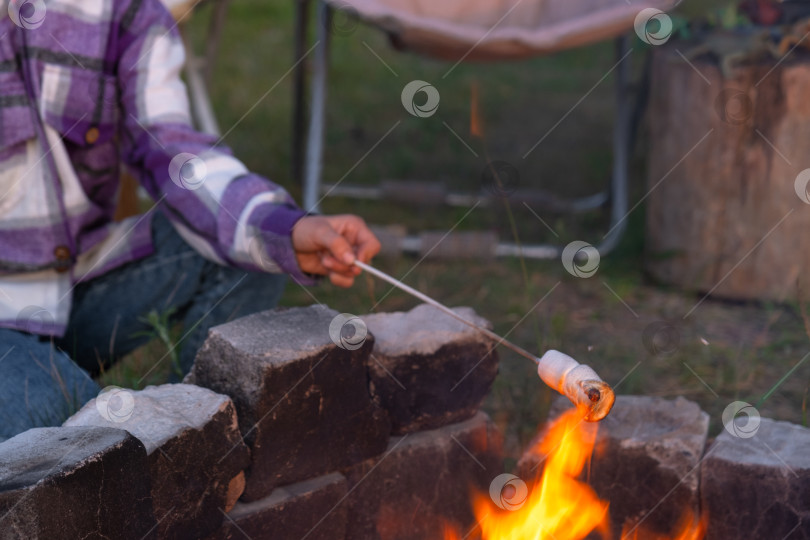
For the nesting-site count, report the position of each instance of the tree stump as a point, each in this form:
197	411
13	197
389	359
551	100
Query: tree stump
728	212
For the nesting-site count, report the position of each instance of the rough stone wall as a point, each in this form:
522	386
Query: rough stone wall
294	423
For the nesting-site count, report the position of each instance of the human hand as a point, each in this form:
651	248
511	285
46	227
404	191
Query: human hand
329	245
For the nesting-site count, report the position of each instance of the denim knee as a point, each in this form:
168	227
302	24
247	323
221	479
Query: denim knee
39	384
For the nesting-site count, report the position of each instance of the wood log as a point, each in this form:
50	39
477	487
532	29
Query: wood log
724	215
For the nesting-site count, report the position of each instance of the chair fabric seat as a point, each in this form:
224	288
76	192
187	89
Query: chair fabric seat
497	29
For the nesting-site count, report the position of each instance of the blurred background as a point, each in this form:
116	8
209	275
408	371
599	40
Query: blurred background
552	119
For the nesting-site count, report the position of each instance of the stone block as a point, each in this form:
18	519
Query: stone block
423	481
75	482
758	487
428	370
194	449
303	401
312	509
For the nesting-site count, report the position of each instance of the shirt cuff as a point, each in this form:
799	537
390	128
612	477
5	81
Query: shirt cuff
278	226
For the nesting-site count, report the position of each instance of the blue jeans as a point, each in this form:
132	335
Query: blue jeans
43	381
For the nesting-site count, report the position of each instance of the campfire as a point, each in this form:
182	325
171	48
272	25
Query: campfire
559	504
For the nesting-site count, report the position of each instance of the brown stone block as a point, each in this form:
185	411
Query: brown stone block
75	482
312	509
193	445
303	401
422	482
427	369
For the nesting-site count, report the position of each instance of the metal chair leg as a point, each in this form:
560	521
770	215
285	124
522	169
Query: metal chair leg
621	153
315	135
299	90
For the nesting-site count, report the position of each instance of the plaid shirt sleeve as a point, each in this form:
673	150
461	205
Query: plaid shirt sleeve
225	212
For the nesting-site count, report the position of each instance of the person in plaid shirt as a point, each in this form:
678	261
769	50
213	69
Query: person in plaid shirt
87	86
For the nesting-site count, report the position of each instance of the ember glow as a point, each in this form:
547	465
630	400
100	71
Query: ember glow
559	504
692	528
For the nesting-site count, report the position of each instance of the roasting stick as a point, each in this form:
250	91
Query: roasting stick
576	381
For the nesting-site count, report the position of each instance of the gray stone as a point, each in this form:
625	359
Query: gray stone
311	509
303	402
74	482
423	481
193	445
646	462
427	369
758	487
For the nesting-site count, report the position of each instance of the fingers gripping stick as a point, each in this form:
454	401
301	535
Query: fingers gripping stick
577	382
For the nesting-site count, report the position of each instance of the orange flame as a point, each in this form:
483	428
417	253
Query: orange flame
450	533
559	506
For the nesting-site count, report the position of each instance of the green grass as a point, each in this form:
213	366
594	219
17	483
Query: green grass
750	347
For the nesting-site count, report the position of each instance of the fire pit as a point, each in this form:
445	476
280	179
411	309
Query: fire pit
375	432
632	476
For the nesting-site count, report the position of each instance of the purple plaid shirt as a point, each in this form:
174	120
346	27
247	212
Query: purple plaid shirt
89	86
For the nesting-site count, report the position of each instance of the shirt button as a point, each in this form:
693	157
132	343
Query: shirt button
62	254
92	135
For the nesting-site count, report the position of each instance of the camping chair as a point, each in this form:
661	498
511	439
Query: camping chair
460	30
